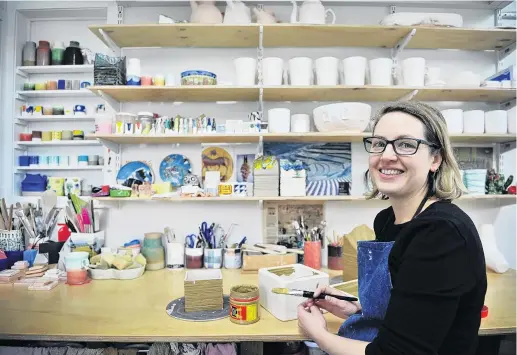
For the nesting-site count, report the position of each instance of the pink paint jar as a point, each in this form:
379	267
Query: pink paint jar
146	81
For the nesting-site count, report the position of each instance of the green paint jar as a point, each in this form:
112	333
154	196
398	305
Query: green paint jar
58	52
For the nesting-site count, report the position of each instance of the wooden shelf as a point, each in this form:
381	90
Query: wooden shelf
90	167
57	143
310	137
299	35
384	93
180	35
55	69
56	118
208	93
56	93
366	93
510	198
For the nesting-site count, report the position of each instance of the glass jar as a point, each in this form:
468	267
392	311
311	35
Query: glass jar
43	53
29	54
146	119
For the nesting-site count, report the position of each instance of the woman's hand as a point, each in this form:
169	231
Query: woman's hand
311	321
339	308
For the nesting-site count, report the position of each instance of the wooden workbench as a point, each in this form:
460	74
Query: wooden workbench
134	311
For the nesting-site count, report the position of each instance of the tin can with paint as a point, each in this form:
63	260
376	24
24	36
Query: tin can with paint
244	304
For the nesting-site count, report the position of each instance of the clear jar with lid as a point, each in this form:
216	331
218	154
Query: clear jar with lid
146	120
125	123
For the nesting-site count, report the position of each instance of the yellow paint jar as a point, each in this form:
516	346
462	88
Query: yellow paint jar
56	135
46	136
244	304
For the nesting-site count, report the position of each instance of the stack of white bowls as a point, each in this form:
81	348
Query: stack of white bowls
474	180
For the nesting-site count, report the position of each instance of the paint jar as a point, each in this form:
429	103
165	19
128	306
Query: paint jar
146	81
53	161
58	51
58	110
159	80
36	136
312	254
335	257
194	258
63	160
66	135
175	254
44	160
78	135
24	160
56	135
33	160
213	258
40	86
25	137
244	304
52	85
46	136
47	110
43	53
232	258
82	160
29	53
38	111
133	72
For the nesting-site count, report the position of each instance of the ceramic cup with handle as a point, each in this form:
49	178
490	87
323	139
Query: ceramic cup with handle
279	120
327	71
76	260
381	71
300	71
432	76
300	123
246	70
272	71
413	71
354	70
316	15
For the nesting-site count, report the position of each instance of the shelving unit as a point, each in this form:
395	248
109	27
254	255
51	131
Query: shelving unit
54	69
299	93
55	93
298	35
90	167
57	143
502	198
281	137
56	118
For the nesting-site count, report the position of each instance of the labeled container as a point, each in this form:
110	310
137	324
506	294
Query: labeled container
244	304
194	258
335	257
312	254
133	72
43	53
213	258
232	258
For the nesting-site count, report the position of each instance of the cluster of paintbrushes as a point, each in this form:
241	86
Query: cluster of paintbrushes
79	215
37	222
309	235
336	241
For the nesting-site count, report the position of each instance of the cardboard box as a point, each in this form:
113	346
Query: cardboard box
203	290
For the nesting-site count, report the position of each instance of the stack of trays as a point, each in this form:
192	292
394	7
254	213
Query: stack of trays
292	178
266	176
203	290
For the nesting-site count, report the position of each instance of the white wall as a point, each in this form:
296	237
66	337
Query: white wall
133	219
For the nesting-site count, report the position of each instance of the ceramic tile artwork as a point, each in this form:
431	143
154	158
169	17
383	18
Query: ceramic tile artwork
328	164
244	170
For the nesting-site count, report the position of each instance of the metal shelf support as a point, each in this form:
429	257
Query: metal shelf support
111	44
112	103
409	96
399	47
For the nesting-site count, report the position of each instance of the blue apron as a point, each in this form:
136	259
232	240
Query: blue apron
374	287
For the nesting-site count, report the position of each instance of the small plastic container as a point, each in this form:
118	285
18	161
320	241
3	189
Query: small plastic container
335	257
146	120
312	254
213	258
194	258
124	123
103	121
232	258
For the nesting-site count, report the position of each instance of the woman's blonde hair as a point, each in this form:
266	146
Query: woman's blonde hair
446	182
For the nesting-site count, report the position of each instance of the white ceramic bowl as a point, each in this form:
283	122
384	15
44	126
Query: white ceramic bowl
344	116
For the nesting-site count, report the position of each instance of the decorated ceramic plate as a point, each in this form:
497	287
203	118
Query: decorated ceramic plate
173	169
135	171
217	159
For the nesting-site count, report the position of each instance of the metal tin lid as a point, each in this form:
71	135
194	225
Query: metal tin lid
244	292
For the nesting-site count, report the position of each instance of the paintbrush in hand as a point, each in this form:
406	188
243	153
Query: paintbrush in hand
310	294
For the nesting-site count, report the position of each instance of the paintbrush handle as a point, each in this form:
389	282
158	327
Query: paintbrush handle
309	294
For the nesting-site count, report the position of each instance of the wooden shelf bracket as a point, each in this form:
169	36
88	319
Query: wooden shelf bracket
502	54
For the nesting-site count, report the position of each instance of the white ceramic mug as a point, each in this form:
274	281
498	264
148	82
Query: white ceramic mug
454	119
413	71
474	121
327	71
272	71
354	70
496	122
279	120
380	71
300	71
432	75
300	123
246	70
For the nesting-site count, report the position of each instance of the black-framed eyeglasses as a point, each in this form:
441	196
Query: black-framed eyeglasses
401	146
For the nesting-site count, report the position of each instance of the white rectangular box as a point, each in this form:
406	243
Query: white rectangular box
295	276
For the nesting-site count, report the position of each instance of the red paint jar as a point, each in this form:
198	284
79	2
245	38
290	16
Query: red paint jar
312	254
335	257
43	53
25	137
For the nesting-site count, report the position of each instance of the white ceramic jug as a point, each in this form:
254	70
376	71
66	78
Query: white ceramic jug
237	13
264	17
312	12
205	12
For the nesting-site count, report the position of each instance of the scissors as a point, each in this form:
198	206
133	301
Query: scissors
208	234
191	240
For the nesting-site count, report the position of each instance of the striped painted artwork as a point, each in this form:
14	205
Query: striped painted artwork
327	164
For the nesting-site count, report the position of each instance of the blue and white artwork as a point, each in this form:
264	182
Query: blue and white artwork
135	172
173	169
327	164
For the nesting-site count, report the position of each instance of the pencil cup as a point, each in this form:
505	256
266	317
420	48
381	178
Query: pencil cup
175	255
213	258
312	254
335	257
194	258
232	258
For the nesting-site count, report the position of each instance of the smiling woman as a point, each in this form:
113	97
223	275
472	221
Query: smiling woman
422	282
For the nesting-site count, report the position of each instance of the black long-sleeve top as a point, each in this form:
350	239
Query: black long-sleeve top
438	273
